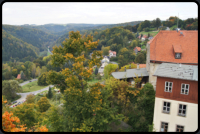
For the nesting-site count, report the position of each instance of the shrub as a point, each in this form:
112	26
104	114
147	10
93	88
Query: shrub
98	76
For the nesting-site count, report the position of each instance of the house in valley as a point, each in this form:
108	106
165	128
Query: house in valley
176	100
129	74
112	53
144	37
137	49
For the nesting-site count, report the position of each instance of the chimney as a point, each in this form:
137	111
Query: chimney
180	65
125	69
138	66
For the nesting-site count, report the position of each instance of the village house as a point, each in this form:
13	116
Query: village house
137	49
112	53
176	100
129	74
171	47
144	37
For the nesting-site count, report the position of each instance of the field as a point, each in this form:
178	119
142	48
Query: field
152	33
32	86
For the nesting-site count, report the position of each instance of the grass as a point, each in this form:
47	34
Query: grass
151	33
44	53
171	28
94	81
33	87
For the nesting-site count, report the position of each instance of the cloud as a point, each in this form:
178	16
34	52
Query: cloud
93	12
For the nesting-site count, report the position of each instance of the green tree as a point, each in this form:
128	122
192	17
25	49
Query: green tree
49	94
30	98
86	106
140	58
96	71
157	22
43	104
42	79
109	69
26	113
105	50
10	88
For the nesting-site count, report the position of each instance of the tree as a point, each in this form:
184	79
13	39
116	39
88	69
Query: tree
33	70
49	94
26	113
10	88
109	69
12	123
38	71
30	98
96	71
105	50
42	79
157	22
43	104
86	106
141	116
140	58
44	69
55	119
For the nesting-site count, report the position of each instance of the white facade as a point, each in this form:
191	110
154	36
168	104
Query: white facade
190	121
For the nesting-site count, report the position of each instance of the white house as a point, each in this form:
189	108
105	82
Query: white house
112	53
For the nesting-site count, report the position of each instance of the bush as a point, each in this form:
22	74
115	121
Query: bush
49	94
98	76
20	81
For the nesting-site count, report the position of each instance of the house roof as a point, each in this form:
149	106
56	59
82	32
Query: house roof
138	48
142	65
172	70
144	36
19	76
177	48
165	40
112	52
130	73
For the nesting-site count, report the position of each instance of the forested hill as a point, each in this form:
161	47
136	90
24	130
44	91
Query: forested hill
37	38
15	48
92	30
61	29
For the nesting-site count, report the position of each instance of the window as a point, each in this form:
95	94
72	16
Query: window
164	127
178	55
182	110
185	89
166	107
179	128
168	86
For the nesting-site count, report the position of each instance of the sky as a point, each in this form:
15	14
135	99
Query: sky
40	13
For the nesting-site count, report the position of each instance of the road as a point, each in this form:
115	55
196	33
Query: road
23	95
26	82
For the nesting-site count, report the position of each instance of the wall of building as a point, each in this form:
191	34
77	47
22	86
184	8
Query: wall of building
153	79
192	97
190	122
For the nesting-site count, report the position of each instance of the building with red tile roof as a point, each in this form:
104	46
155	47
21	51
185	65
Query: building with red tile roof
171	47
112	53
137	49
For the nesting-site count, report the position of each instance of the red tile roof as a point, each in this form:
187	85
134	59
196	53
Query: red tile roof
138	48
142	65
144	36
112	52
163	44
177	48
19	76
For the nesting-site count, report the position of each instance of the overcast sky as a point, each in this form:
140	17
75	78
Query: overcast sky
19	13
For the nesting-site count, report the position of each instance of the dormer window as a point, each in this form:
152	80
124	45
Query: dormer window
177	51
178	55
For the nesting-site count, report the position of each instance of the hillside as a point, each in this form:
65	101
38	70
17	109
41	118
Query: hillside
37	38
13	48
91	30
